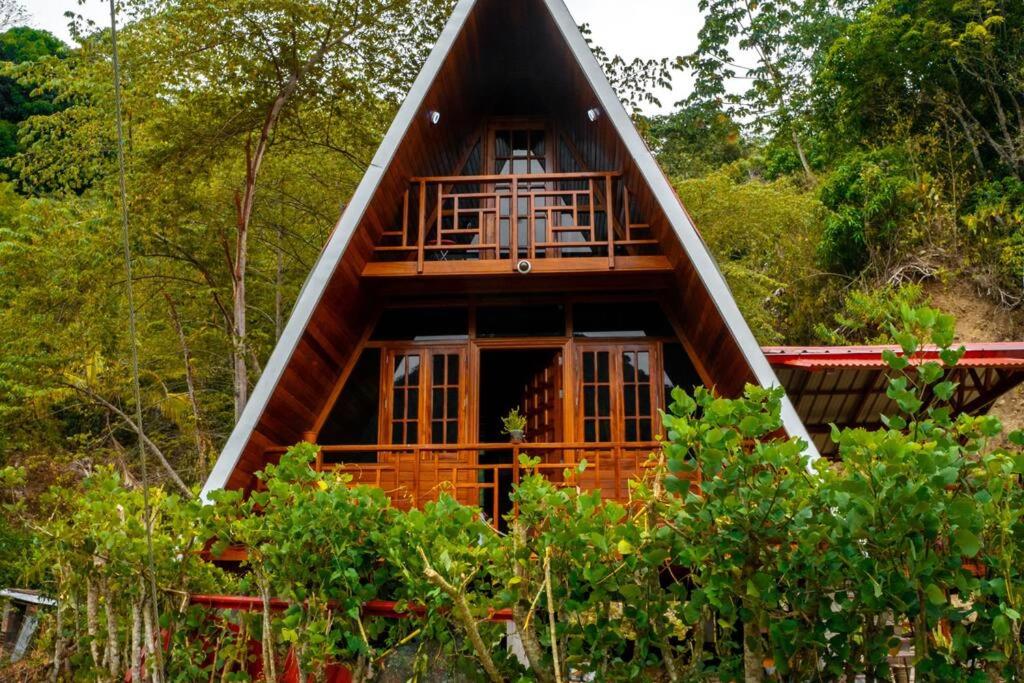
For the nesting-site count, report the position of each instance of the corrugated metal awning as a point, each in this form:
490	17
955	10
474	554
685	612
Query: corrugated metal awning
846	385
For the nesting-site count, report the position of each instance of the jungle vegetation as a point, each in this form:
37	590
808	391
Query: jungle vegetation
871	145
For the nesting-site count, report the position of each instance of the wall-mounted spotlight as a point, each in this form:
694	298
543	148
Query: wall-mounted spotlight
593	114
434	116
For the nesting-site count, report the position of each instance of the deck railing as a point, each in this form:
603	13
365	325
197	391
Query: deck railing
514	217
483	474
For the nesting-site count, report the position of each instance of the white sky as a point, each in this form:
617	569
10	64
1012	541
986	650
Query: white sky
630	28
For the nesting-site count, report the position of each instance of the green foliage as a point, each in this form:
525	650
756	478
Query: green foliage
693	141
17	101
995	219
871	197
735	557
764	236
867	315
513	422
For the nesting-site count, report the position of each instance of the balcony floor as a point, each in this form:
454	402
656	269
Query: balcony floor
551	266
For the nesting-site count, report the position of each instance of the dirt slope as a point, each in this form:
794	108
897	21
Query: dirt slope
979	320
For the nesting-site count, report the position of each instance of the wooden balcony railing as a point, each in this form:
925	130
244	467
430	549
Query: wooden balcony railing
513	217
483	474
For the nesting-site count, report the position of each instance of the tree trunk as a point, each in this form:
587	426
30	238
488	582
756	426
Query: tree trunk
521	615
151	633
552	630
753	653
464	615
278	287
58	643
113	646
267	641
190	385
803	158
136	653
238	311
92	622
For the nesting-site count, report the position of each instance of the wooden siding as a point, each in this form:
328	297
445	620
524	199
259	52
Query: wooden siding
509	60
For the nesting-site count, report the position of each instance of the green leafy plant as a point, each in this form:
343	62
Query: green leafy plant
513	423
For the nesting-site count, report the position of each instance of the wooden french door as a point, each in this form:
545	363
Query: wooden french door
425	397
519	147
616	396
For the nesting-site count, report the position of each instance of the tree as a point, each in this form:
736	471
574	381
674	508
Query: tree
695	140
784	40
17	102
908	67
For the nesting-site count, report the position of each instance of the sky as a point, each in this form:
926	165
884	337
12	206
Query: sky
630	28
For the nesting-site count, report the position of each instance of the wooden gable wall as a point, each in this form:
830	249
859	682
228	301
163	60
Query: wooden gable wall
509	59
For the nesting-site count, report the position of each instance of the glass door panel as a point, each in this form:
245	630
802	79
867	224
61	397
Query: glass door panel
444	398
616	394
596	395
405	398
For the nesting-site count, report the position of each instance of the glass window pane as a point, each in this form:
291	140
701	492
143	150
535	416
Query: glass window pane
645	430
453	403
412	403
354	417
452	435
424	324
538	143
645	401
605	432
643	363
630	402
602	366
622	319
502	144
520	143
604	400
679	371
399	409
437	409
453	369
628	366
543	320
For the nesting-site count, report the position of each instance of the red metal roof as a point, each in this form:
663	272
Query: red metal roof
985	355
846	385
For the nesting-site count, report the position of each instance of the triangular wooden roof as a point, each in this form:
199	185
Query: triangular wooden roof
303	361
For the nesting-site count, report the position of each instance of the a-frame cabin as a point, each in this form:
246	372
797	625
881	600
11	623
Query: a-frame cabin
514	244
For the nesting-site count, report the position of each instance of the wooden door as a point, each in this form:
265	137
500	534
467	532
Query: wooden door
615	408
518	147
616	395
424	406
542	403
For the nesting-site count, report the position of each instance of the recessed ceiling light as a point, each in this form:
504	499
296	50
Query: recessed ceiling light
434	116
593	114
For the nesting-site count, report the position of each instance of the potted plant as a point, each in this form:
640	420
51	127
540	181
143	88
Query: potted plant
514	424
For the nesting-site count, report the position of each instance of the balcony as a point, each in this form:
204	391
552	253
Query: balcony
558	222
484	474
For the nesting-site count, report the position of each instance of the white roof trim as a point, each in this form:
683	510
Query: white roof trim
318	280
696	248
27	596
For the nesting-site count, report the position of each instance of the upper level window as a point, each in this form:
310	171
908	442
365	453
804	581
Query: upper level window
520	151
623	319
422	324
